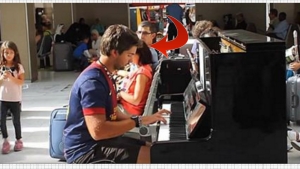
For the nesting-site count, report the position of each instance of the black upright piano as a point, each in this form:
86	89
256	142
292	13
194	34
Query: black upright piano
242	88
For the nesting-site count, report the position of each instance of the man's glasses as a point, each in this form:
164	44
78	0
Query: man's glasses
143	32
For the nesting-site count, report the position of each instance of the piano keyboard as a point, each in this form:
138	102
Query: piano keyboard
175	129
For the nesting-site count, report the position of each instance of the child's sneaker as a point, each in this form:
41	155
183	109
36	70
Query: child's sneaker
18	145
5	147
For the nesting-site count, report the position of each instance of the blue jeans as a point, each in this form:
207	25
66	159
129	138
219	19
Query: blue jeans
289	73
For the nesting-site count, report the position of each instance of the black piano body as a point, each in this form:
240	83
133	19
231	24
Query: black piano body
244	92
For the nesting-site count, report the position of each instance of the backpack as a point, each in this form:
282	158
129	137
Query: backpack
45	44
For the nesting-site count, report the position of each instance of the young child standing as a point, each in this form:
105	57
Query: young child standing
11	81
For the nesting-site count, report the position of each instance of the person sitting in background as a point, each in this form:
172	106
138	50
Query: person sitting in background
273	20
81	54
240	21
96	38
98	26
281	29
134	95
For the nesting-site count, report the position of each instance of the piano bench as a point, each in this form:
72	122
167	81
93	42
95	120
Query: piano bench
134	133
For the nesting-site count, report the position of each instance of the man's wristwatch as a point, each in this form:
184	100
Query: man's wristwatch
137	120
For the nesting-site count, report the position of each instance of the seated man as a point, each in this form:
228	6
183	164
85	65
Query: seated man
281	29
137	85
94	127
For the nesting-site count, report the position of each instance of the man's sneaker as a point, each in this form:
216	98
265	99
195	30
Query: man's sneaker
5	147
18	145
289	147
296	145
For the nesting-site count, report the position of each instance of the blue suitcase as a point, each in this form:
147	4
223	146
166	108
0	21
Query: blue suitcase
57	124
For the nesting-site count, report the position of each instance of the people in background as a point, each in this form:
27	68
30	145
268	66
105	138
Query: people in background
81	54
11	81
98	26
176	11
76	31
192	16
281	29
134	95
273	20
94	130
44	50
202	28
96	39
240	21
147	32
187	18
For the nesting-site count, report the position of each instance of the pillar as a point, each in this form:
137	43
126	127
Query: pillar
17	25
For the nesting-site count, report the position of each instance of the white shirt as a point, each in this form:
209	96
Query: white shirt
281	29
10	91
96	43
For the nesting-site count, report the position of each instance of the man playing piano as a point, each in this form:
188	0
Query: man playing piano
94	127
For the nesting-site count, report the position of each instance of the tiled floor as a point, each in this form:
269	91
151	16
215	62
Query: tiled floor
39	99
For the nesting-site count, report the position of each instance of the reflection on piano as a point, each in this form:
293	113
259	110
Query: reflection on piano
242	105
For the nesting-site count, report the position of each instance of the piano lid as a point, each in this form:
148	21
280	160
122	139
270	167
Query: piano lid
246	37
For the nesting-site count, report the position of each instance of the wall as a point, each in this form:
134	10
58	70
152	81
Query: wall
108	13
62	13
19	28
258	17
215	11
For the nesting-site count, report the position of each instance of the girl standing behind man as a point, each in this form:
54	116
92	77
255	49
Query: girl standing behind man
11	81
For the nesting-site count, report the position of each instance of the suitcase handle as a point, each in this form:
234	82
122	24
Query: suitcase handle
295	101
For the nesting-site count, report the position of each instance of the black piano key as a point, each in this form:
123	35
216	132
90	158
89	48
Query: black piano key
174	137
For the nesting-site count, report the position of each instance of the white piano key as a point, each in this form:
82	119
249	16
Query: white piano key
167	106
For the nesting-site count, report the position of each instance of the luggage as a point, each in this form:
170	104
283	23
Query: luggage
62	56
57	124
293	93
175	75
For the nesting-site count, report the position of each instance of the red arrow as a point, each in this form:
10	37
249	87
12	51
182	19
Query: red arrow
181	39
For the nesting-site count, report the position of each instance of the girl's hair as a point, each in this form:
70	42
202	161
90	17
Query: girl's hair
10	45
145	55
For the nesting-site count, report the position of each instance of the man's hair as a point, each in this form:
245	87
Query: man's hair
119	38
274	12
283	15
151	26
201	27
